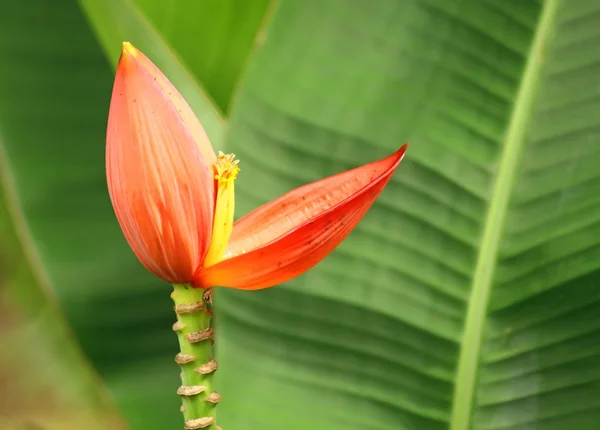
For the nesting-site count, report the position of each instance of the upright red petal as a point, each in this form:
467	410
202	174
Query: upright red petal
160	186
291	234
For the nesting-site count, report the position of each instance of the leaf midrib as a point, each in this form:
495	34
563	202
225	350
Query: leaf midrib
481	286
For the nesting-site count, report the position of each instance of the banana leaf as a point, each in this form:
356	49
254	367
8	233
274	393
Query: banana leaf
466	299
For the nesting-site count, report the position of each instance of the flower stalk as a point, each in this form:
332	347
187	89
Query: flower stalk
195	334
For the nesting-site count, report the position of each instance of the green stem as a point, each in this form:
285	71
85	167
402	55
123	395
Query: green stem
198	366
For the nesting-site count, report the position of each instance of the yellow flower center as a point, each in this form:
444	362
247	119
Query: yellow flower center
226	170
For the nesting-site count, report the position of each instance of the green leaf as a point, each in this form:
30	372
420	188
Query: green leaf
45	379
213	37
468	298
471	286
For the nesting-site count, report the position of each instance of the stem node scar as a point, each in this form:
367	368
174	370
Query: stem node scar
213	397
199	423
208	367
190	390
201	335
189	308
182	358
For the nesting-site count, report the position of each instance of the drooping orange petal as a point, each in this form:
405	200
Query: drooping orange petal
291	234
160	186
181	106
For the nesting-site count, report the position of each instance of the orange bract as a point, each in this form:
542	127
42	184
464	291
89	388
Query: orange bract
291	234
167	186
159	184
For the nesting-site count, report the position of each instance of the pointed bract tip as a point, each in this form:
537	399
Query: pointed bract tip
129	52
131	59
402	151
128	48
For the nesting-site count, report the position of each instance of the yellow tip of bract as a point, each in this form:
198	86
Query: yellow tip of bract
129	53
226	170
129	48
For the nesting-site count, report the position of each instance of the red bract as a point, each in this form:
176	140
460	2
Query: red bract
174	198
286	237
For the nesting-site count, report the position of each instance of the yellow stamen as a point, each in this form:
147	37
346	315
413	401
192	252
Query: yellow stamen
226	170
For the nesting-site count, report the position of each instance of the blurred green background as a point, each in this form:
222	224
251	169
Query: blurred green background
468	297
